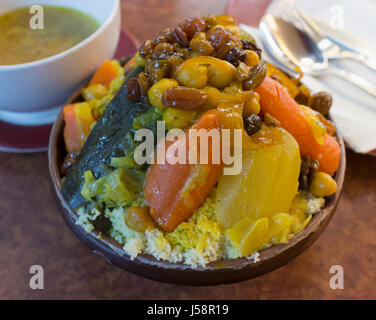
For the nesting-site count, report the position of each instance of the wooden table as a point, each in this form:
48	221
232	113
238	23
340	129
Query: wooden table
33	233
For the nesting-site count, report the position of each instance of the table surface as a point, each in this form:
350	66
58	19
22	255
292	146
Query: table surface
32	232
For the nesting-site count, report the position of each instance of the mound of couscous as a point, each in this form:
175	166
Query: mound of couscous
199	240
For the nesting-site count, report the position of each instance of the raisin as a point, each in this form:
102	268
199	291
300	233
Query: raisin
167	34
146	48
221	52
308	170
133	90
144	83
257	76
192	26
162	48
68	163
157	69
160	39
249	45
252	124
218	37
181	37
321	102
184	98
301	98
235	56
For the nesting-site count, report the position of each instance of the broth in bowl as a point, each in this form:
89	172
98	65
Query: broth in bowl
63	29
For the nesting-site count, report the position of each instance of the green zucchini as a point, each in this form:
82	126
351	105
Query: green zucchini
106	141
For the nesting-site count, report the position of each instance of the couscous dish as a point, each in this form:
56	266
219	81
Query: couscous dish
138	167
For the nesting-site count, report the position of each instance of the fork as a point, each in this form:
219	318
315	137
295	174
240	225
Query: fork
329	48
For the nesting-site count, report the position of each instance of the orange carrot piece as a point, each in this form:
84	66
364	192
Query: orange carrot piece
328	154
105	74
276	101
78	119
175	191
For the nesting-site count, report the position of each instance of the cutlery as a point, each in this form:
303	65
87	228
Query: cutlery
329	47
303	52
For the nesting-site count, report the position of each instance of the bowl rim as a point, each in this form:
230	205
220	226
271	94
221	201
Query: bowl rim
61	55
217	272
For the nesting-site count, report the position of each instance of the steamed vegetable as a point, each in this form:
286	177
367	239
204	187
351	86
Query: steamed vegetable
78	120
175	191
107	72
107	140
276	101
118	188
288	83
267	183
249	235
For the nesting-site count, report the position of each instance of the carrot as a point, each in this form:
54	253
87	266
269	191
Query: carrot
175	191
276	101
327	154
105	74
78	119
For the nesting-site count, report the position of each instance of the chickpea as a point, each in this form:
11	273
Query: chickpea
157	90
235	30
251	103
178	118
225	19
252	58
234	87
222	76
194	76
219	73
323	185
139	61
201	45
216	97
210	21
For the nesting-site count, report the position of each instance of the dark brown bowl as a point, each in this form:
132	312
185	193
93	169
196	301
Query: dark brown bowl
220	272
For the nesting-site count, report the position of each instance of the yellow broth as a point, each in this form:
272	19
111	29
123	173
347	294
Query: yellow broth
63	29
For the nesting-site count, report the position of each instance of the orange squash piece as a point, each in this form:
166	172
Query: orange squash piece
105	74
78	119
276	101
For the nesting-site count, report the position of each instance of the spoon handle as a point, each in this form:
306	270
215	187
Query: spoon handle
361	83
367	61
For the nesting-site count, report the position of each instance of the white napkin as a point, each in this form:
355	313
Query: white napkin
353	111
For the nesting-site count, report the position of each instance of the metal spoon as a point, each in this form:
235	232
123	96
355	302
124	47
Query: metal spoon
287	41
